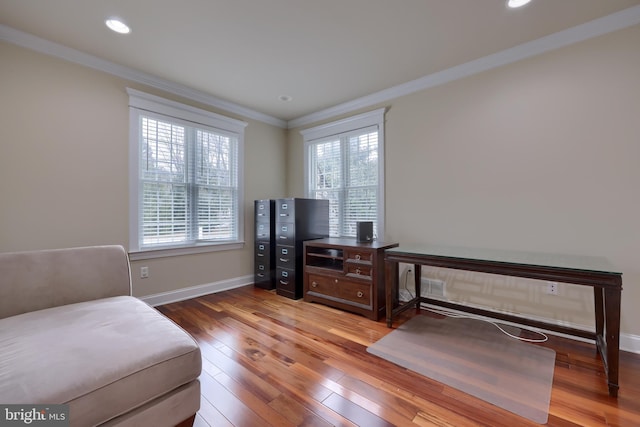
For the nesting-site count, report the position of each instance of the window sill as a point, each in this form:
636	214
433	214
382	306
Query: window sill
182	250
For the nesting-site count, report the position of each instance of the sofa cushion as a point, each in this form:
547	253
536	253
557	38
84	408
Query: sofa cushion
102	357
35	280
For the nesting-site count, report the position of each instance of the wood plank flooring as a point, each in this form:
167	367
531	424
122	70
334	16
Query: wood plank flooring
272	361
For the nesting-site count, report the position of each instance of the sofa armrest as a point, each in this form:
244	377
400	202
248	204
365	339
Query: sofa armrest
36	280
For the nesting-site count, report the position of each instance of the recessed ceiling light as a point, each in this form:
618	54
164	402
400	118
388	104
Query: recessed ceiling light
117	25
285	98
517	3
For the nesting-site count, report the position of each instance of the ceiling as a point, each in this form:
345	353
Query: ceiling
321	53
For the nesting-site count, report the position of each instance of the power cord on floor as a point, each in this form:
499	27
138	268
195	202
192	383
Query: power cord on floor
456	315
497	325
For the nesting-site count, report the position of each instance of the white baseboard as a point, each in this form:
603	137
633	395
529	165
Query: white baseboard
630	343
196	291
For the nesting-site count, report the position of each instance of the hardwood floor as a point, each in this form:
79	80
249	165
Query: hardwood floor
272	361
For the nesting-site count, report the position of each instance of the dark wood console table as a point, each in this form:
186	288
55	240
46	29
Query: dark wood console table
588	271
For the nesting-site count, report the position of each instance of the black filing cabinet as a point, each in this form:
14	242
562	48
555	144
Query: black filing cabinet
265	250
297	220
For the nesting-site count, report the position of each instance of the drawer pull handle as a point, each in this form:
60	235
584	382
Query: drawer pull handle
260	275
358	271
260	254
284	282
283	237
314	284
284	260
360	294
336	280
357	257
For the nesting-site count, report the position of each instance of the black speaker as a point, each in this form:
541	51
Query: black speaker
364	231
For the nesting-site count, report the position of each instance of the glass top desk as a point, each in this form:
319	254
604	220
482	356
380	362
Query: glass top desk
596	272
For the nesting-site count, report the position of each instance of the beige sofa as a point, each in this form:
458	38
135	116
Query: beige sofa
71	333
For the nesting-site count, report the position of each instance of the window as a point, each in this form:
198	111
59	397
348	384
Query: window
344	162
185	178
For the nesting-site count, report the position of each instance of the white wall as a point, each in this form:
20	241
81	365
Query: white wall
64	133
540	155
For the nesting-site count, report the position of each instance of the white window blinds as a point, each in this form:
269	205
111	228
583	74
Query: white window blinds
347	169
188	180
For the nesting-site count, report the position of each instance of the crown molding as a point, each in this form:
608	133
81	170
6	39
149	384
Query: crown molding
616	21
47	47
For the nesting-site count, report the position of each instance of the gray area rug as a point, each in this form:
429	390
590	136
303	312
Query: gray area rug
475	357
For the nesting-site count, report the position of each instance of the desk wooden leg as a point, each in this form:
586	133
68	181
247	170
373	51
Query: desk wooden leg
390	288
417	277
612	298
598	300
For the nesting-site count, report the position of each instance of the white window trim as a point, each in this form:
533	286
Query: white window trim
360	121
154	104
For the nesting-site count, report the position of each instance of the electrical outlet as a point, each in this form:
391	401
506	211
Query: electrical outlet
144	272
552	288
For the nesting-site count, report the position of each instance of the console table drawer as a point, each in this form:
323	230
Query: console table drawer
340	288
360	256
322	284
359	271
355	292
